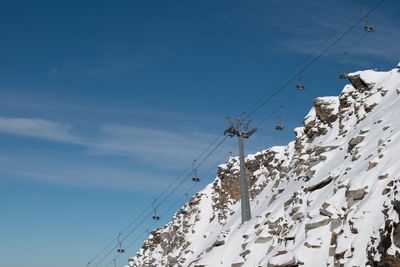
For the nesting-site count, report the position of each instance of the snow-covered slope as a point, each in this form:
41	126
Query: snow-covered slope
329	198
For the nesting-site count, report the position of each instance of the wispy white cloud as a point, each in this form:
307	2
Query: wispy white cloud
38	128
151	144
156	146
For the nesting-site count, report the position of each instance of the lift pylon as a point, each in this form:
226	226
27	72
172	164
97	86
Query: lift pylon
239	127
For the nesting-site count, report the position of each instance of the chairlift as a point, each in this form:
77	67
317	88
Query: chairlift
155	216
115	263
344	75
280	126
367	28
195	178
120	249
299	86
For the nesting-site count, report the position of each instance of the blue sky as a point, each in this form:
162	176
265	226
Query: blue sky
104	104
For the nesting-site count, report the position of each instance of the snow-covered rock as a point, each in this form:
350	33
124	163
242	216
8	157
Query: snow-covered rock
329	198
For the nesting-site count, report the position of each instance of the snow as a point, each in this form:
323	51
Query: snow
330	219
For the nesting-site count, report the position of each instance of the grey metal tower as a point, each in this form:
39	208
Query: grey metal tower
239	127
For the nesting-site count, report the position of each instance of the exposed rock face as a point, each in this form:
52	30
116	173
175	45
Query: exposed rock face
330	198
324	110
358	82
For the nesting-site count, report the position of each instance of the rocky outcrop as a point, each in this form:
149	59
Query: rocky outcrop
359	83
324	110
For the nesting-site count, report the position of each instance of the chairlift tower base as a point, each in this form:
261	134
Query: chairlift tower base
241	130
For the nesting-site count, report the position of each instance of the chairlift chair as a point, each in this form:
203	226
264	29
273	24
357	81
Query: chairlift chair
280	126
120	249
155	216
195	178
299	86
344	75
367	28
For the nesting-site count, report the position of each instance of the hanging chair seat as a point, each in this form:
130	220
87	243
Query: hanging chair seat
369	29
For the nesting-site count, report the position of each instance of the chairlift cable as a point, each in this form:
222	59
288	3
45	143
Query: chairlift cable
309	81
287	76
190	189
159	196
164	199
314	60
201	162
220	143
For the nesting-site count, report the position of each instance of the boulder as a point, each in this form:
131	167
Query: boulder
263	240
353	196
353	142
317	224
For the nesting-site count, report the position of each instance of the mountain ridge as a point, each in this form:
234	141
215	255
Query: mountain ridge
327	198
